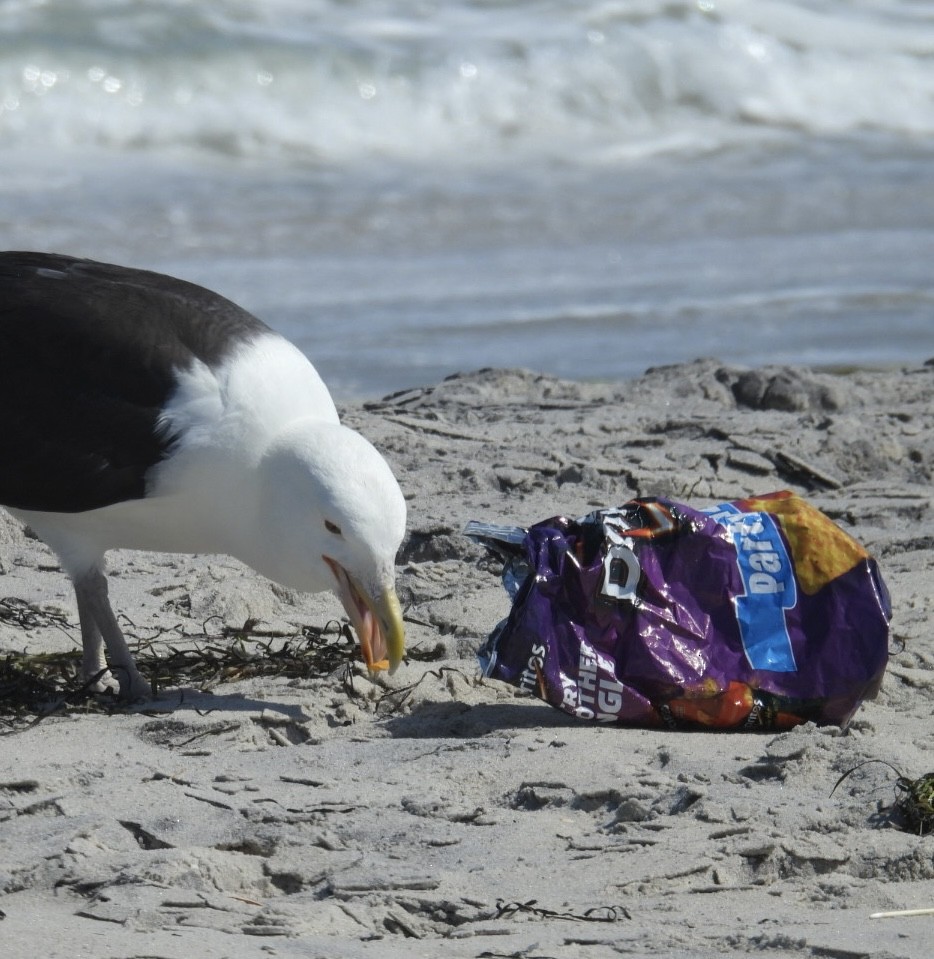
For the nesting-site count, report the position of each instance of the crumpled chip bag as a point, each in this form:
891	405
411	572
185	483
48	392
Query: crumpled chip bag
755	614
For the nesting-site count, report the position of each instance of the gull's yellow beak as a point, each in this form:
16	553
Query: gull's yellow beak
377	620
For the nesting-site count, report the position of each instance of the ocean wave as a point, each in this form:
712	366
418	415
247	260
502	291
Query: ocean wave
335	82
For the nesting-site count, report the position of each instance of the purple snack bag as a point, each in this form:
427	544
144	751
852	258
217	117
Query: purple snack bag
754	614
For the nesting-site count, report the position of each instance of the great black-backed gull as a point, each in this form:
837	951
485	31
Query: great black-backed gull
139	411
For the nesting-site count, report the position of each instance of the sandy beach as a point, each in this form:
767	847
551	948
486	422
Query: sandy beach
436	813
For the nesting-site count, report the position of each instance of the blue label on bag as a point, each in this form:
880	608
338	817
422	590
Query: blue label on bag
769	585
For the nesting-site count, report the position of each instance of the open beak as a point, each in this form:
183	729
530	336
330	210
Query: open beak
377	620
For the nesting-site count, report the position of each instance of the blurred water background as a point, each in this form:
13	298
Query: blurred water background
407	189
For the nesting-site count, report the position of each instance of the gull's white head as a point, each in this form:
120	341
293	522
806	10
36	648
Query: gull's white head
333	518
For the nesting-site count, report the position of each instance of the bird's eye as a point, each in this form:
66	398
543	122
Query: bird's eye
332	528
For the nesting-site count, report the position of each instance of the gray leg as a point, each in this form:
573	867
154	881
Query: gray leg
99	627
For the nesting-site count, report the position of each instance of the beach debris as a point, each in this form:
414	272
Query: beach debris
36	685
914	797
530	907
393	700
916	802
754	614
901	913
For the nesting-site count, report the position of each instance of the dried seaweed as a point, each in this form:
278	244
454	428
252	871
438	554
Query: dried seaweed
247	654
34	685
914	800
595	914
393	700
26	616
